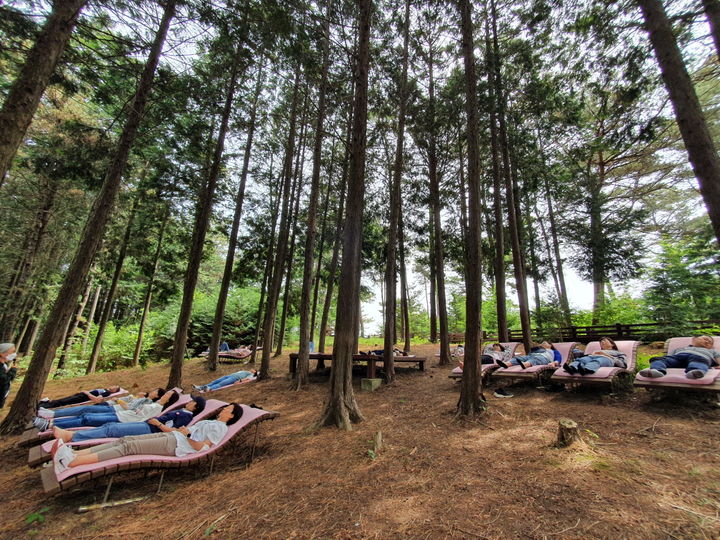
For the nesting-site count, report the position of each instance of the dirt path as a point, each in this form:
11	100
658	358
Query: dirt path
643	470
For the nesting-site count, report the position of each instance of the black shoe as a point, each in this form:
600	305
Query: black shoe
584	371
521	364
502	393
572	370
502	363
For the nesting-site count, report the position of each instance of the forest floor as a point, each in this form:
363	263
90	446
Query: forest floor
644	469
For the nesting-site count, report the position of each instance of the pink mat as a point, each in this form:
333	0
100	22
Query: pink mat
250	414
120	393
604	373
677	375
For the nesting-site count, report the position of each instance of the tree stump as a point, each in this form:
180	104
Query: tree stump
378	443
568	432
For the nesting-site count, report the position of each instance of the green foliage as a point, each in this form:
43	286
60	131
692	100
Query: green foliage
37	516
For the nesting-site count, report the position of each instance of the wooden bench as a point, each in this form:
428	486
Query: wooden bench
370	360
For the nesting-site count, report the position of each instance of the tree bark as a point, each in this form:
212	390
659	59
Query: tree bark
75	321
90	320
699	144
341	408
212	360
25	403
391	263
107	308
202	223
433	282
562	289
24	96
471	402
404	303
276	277
311	227
498	239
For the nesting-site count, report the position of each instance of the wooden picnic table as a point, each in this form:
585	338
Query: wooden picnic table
370	360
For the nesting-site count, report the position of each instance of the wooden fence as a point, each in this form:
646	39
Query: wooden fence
585	334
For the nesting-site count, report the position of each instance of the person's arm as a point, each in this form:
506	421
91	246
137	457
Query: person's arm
162	427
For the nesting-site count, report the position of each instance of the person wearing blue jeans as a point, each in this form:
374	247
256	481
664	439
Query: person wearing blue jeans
697	359
115	430
607	356
107	407
543	355
226	380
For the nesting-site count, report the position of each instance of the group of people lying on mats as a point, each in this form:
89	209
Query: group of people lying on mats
542	354
168	441
134	409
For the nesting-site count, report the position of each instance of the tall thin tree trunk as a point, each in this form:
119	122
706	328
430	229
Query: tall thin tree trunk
232	242
471	401
513	222
276	277
341	408
24	96
433	281
25	403
149	287
562	289
688	112
311	227
320	250
498	239
202	223
436	222
90	320
391	264
404	301
107	308
75	321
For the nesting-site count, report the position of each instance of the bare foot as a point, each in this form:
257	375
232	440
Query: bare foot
63	434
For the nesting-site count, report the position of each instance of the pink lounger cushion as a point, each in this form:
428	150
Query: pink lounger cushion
483	367
211	406
249	415
120	393
677	375
604	373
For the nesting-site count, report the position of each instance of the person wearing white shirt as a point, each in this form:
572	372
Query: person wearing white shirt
176	442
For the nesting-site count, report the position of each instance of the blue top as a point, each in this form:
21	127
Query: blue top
558	357
177	419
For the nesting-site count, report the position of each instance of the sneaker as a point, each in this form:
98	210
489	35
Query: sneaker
43	424
197	388
582	370
572	370
502	393
45	399
502	363
63	457
652	373
695	374
45	413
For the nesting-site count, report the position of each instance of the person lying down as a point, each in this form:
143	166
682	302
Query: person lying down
178	442
226	380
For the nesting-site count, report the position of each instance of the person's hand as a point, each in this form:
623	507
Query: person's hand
184	430
154	422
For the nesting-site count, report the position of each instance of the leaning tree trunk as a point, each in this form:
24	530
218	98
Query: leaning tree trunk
688	113
341	408
25	402
24	96
202	223
275	282
212	360
498	240
396	180
562	289
149	287
471	401
105	315
90	320
70	337
305	329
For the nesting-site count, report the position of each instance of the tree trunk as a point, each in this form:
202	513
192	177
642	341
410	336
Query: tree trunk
107	308
24	96
311	227
212	359
498	238
321	249
471	402
562	289
688	113
90	320
341	408
712	12
149	288
17	293
391	263
202	223
276	277
404	302
25	403
75	321
433	282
